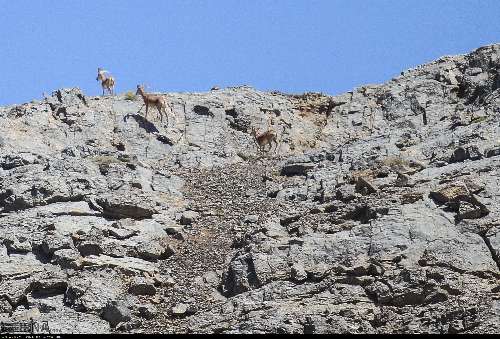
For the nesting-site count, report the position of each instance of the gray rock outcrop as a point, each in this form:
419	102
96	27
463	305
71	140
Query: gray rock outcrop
379	212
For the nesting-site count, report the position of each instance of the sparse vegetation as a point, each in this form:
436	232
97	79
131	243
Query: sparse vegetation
130	96
366	173
395	162
398	163
478	119
106	160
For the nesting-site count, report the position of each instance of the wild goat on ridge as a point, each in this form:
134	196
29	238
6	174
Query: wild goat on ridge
155	100
107	82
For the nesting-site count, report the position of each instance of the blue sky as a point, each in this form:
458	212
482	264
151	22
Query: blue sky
294	46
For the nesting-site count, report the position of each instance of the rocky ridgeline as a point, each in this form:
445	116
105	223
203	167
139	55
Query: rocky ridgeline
379	211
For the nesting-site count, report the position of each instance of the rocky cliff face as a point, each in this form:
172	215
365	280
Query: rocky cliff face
378	212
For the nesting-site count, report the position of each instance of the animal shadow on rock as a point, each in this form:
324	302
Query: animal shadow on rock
143	123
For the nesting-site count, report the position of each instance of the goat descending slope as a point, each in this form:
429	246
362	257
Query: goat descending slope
155	100
267	138
107	82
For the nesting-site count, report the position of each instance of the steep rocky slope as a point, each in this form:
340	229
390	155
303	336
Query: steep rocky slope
378	212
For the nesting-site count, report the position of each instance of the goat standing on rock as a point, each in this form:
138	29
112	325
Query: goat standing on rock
266	138
107	82
152	99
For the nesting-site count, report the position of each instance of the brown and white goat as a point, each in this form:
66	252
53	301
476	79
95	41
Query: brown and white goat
107	82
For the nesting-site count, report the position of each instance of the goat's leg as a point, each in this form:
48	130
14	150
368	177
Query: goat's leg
166	113
159	111
171	111
147	107
259	147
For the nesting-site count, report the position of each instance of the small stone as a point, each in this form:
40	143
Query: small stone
469	211
318	210
126	206
155	299
198	281
289	219
179	309
147	311
169	281
116	312
16	245
317	271
473	187
87	248
136	184
129	266
473	71
53	243
298	273
410	198
251	219
121	233
211	278
473	153
273	190
250	193
492	152
175	231
380	291
189	217
383	172
142	286
450	193
364	187
460	154
128	326
217	297
124	223
295	169
67	258
402	180
153	251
